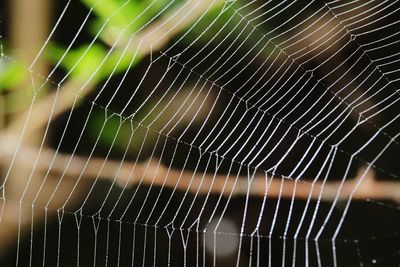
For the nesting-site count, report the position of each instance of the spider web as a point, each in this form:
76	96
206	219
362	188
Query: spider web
219	147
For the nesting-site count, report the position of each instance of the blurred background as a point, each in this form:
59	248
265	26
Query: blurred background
103	93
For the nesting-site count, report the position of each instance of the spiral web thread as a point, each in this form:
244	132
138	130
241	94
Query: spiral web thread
279	92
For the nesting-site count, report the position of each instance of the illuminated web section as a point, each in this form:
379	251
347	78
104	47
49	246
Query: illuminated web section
234	143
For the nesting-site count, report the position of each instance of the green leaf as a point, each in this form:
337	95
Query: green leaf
12	73
93	62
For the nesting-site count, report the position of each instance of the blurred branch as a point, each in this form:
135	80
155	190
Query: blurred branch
29	28
2	111
148	172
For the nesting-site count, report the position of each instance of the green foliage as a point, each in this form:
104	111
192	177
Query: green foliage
92	62
117	16
12	73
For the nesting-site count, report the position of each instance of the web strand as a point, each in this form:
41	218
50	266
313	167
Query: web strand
208	118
